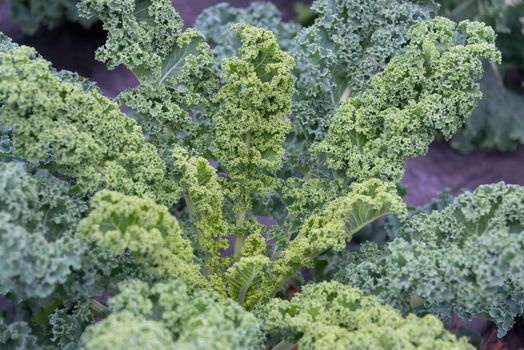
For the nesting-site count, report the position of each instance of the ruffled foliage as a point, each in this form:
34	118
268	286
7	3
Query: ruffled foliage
37	220
346	46
140	33
174	67
64	123
463	259
17	336
146	230
126	331
254	278
46	270
204	199
338	222
217	23
31	15
426	91
251	122
329	315
169	316
176	188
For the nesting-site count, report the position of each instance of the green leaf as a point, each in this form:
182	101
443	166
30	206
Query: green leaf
173	63
330	315
121	223
171	316
497	121
426	91
349	42
245	279
464	259
337	223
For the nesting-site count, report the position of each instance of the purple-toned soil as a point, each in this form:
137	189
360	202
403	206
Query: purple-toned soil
443	167
72	47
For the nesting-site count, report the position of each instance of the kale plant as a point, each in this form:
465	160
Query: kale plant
498	121
141	230
31	15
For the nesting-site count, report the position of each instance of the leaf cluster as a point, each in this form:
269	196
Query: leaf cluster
35	14
176	187
463	259
497	121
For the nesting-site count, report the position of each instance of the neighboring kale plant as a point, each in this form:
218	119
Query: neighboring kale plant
34	14
174	189
216	24
498	121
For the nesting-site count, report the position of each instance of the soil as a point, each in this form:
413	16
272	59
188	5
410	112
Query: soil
443	167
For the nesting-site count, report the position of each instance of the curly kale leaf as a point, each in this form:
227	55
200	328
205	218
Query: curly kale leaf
140	33
172	107
464	259
68	324
32	14
17	336
217	23
329	315
348	44
380	231
168	315
250	123
146	230
67	126
245	277
37	221
44	267
252	118
392	224
332	227
204	199
428	90
6	43
174	67
6	147
305	197
254	278
125	331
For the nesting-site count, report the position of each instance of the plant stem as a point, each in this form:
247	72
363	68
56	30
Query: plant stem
283	345
191	211
99	308
199	235
345	95
239	237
